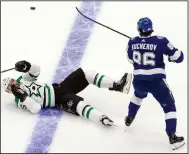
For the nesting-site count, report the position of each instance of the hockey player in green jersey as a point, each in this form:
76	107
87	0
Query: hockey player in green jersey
33	95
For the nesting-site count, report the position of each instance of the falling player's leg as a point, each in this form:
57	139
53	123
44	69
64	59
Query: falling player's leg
136	100
67	100
87	111
163	95
78	80
74	104
74	83
103	81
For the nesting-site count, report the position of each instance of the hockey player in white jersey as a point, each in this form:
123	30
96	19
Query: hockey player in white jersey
33	95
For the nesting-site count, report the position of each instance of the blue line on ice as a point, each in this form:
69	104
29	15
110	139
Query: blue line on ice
70	60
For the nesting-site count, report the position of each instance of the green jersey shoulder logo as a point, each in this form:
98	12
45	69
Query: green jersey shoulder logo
34	89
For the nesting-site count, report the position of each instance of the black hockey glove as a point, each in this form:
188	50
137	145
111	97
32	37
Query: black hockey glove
22	66
18	92
170	60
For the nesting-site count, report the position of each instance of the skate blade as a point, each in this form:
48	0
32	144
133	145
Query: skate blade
111	124
126	88
118	126
177	145
114	125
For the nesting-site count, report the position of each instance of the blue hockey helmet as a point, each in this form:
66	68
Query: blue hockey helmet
145	25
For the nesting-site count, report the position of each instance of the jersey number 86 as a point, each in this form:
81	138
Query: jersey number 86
144	59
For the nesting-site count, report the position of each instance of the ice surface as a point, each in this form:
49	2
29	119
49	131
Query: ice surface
26	33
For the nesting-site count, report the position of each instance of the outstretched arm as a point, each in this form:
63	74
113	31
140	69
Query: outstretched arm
31	71
30	105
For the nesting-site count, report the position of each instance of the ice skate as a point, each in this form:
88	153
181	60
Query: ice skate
128	121
123	85
106	121
176	142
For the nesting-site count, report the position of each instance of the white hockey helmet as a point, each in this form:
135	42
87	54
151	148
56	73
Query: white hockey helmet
5	84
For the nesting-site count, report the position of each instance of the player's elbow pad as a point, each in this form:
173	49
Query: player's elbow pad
180	59
35	109
34	71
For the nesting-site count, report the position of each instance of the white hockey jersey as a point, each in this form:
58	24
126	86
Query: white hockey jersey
40	95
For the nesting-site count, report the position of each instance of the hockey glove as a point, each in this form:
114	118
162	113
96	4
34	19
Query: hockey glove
22	66
18	92
170	60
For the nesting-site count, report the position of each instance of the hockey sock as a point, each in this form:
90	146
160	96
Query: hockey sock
103	81
99	80
171	122
133	109
88	112
134	106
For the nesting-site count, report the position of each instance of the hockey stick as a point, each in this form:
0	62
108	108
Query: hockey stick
102	24
7	70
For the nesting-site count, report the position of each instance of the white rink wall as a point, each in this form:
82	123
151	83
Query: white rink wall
39	36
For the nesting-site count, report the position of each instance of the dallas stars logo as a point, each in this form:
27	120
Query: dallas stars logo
34	89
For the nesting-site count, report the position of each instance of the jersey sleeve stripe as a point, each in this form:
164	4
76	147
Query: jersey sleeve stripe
176	55
180	59
33	76
19	79
16	100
